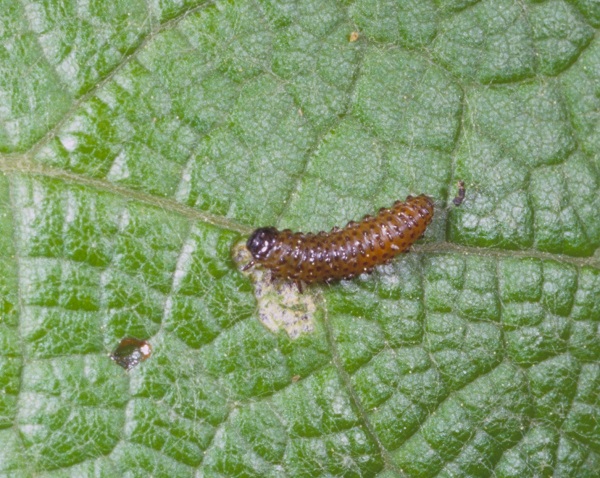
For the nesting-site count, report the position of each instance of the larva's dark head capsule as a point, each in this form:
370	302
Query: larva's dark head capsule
261	242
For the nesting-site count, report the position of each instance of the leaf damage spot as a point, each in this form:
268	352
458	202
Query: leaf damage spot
281	305
130	352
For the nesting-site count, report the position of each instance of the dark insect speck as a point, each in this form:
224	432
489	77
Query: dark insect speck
460	195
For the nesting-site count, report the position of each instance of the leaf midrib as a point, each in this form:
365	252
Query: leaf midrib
16	165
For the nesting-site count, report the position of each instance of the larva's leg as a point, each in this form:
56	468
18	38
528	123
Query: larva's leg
248	266
299	285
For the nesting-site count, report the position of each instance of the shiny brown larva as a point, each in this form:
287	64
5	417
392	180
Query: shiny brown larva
342	253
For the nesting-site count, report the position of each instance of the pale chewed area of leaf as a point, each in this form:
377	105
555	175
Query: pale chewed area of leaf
280	303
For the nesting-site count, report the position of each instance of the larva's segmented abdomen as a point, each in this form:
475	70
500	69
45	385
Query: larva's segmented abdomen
342	253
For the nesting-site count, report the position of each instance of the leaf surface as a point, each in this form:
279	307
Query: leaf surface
140	142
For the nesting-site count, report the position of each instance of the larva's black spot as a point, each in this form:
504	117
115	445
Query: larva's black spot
344	253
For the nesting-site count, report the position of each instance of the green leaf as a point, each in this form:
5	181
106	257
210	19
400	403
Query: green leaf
140	143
